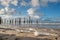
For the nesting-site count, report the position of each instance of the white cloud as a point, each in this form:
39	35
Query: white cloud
14	2
10	11
23	3
34	16
5	2
7	11
34	3
38	3
2	11
31	11
8	2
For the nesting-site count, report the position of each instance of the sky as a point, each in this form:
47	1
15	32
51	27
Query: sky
38	9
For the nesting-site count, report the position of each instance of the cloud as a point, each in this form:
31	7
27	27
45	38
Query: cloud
45	2
14	2
34	3
8	2
4	2
37	3
23	3
33	13
2	11
34	16
7	11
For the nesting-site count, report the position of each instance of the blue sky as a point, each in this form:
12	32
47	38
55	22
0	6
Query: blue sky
53	10
33	8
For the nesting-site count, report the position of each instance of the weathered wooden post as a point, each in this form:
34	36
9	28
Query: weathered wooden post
36	23
0	20
29	21
24	21
19	21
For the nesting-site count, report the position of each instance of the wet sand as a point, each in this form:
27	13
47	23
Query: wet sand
14	35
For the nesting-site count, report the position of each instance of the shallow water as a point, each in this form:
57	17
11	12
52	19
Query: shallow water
33	25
